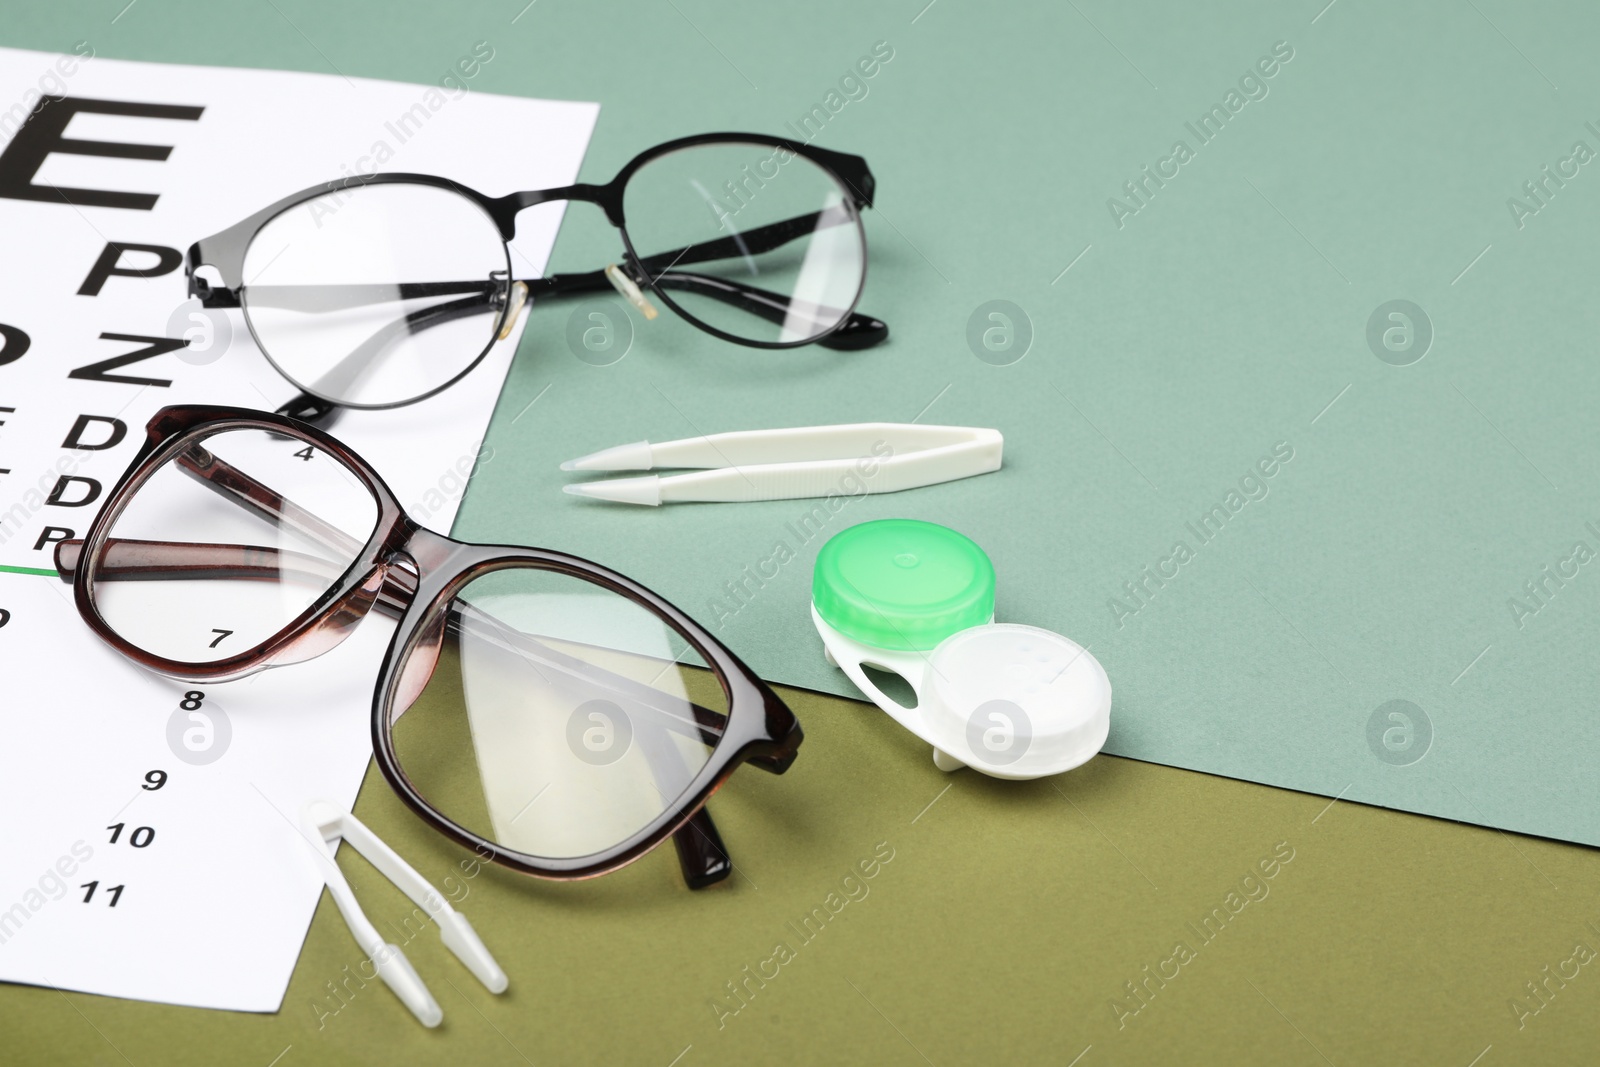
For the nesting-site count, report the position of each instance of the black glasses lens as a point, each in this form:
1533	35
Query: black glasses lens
376	294
748	238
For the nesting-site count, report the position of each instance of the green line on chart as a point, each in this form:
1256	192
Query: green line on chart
30	570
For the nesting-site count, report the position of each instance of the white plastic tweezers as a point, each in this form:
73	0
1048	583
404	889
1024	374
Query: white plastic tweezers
850	460
326	823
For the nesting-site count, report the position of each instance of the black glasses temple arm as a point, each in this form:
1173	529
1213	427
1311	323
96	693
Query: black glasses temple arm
858	331
343	296
337	297
750	242
308	407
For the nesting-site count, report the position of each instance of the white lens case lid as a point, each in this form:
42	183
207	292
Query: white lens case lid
1008	700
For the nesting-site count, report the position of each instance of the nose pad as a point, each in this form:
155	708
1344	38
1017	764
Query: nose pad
630	291
515	302
419	665
327	634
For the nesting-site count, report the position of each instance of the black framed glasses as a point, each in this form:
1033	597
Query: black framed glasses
374	291
555	716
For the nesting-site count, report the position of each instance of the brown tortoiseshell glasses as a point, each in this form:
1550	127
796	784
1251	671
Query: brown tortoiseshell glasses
549	713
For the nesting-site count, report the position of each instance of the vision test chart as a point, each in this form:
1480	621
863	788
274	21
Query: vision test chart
151	849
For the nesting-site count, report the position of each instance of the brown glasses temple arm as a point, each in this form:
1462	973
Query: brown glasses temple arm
126	559
240	488
237	487
702	856
130	560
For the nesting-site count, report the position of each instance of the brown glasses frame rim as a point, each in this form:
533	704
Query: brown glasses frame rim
758	725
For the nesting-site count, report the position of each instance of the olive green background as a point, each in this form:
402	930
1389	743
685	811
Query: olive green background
1008	919
1167	357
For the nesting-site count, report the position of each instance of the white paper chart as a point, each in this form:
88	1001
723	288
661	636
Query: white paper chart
149	846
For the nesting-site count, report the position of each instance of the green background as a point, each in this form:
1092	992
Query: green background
1226	316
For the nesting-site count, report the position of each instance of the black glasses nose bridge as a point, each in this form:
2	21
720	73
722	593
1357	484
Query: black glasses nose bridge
606	197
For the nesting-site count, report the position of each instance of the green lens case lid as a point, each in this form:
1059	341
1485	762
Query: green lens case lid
902	584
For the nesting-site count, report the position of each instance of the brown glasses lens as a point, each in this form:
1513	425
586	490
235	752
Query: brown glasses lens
555	718
227	543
